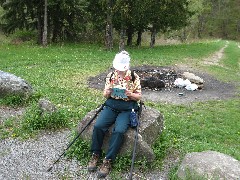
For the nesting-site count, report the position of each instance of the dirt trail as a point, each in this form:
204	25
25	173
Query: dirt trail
216	57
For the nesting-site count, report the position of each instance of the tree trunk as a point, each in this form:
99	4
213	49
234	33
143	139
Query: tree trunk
238	27
130	32
200	26
139	38
39	27
224	29
153	37
57	24
44	36
122	39
109	28
238	30
184	35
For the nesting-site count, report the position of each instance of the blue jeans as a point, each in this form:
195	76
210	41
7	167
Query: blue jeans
115	112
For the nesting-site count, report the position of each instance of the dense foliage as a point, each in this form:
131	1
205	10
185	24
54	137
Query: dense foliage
81	20
213	18
69	20
66	18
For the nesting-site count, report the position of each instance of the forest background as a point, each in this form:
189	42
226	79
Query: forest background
119	22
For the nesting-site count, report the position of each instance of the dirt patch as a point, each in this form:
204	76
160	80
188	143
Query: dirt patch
8	112
213	89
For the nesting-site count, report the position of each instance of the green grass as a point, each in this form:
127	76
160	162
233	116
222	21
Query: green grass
60	73
211	125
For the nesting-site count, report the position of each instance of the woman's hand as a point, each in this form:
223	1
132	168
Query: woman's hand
128	93
133	96
107	92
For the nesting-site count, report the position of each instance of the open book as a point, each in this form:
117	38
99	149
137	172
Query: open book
119	93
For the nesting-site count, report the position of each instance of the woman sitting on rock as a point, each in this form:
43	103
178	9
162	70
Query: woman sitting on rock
122	92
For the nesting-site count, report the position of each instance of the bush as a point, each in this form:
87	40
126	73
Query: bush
24	35
34	119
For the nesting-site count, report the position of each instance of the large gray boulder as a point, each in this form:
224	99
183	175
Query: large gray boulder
13	85
210	165
150	128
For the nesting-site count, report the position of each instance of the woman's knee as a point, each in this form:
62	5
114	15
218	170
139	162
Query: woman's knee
99	126
120	130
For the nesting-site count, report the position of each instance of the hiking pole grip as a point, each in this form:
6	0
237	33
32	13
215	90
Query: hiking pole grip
70	144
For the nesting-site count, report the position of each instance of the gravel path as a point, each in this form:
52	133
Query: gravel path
30	160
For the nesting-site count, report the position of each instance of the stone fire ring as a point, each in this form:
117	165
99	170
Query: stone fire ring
213	89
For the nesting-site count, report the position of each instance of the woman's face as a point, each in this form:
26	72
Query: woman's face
121	72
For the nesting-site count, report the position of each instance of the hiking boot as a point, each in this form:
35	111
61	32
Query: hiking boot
92	165
104	168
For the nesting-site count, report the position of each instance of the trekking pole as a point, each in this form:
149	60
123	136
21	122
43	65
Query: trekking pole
70	144
135	140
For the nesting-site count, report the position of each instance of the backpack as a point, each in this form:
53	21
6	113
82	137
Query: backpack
132	75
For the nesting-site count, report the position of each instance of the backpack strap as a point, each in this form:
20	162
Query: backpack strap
111	77
133	76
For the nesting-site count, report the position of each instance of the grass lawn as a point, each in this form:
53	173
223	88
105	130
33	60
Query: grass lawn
60	74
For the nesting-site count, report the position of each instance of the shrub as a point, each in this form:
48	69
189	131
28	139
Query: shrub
34	119
24	35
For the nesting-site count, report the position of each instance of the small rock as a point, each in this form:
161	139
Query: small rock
46	106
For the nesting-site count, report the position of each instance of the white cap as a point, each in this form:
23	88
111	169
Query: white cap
121	61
